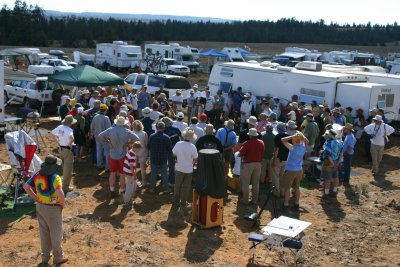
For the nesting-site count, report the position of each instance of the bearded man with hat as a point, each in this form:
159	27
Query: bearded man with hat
65	138
348	151
186	155
252	153
117	137
379	132
45	187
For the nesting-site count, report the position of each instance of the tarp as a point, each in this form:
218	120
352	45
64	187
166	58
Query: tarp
212	53
12	74
84	76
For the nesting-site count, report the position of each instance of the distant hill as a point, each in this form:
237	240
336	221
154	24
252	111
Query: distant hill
142	17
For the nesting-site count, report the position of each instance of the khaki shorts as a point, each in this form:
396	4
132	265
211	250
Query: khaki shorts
291	179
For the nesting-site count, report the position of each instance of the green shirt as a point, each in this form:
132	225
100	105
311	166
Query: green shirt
311	131
269	144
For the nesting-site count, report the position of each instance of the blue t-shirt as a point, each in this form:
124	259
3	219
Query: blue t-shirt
349	141
295	158
145	100
226	136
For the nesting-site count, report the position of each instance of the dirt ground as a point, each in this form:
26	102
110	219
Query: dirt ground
360	228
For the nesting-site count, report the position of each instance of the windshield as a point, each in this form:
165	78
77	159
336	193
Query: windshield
173	62
60	63
187	58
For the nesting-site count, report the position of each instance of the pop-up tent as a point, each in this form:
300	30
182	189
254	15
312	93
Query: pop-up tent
86	76
212	53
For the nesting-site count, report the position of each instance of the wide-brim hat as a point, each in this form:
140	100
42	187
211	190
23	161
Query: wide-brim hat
68	120
146	112
378	118
195	86
209	129
50	165
294	104
189	135
252	120
252	132
329	134
230	124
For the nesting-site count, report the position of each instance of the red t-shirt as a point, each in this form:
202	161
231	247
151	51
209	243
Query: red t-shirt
252	151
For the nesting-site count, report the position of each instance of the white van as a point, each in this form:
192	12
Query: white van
171	83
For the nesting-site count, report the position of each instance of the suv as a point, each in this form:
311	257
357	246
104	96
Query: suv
32	94
171	83
174	67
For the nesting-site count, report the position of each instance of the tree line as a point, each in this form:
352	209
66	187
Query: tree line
27	25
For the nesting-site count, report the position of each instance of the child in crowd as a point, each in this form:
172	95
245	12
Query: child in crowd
130	172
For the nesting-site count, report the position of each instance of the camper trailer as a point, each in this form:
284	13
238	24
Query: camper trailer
118	55
308	81
182	54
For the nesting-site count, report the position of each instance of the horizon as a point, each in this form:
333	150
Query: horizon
361	12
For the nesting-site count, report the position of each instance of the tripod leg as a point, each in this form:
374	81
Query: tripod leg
41	137
37	140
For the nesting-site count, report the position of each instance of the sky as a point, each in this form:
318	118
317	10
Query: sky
341	11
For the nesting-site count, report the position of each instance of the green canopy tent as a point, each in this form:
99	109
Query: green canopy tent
86	76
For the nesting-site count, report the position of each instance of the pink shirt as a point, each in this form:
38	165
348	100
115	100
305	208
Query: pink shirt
261	126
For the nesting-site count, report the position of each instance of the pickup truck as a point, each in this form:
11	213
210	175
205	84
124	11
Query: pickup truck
34	94
49	66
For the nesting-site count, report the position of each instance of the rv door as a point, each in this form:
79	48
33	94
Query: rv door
388	99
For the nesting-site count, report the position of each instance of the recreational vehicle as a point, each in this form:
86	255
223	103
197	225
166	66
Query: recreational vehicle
118	55
309	82
299	54
349	58
234	54
182	54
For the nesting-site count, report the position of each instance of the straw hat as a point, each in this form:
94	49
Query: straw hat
50	165
160	125
378	118
68	120
252	120
95	93
189	135
209	129
230	124
195	86
253	132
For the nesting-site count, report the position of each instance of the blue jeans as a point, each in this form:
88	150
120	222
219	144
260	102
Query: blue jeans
100	147
171	169
164	175
346	167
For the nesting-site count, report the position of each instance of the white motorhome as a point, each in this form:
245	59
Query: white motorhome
346	57
182	54
308	81
393	66
118	55
234	54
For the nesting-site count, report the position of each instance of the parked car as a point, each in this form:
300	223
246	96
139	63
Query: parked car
58	65
176	68
171	83
32	94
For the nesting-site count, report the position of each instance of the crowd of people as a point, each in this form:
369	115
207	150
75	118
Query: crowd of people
261	140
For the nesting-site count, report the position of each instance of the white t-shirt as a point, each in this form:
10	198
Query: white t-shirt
180	125
238	162
378	133
91	102
132	99
209	103
185	152
64	134
154	115
177	98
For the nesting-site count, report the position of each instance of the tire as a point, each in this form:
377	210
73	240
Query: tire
163	66
144	65
156	68
170	72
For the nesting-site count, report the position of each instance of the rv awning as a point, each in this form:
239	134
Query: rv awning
86	75
292	55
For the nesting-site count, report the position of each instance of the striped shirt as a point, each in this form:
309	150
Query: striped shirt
129	160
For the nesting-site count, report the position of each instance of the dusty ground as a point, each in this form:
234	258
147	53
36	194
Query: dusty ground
360	228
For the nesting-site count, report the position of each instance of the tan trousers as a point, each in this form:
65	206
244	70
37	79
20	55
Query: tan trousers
51	231
68	163
250	173
377	155
266	170
183	186
277	174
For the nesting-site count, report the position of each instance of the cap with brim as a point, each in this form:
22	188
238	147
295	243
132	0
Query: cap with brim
50	165
349	126
68	120
195	86
329	134
247	95
263	115
178	91
294	105
85	92
73	102
230	124
189	135
291	125
309	116
160	125
274	116
336	110
252	132
181	115
203	117
209	129
103	107
269	128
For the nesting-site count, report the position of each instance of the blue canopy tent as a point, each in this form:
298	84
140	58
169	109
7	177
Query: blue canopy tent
212	53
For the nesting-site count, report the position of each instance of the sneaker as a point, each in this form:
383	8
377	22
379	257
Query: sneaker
139	184
113	194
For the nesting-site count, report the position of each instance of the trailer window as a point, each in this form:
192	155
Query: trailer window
386	101
177	83
140	79
225	87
